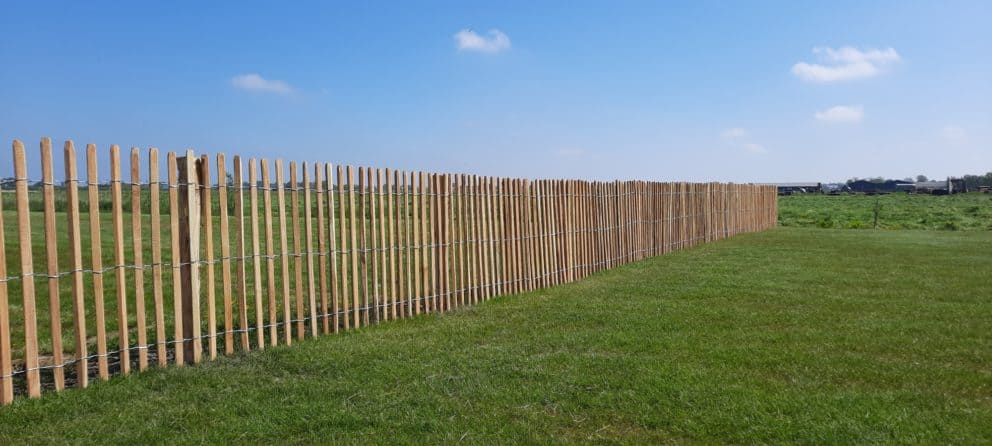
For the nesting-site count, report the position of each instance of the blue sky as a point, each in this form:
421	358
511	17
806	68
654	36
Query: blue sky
705	91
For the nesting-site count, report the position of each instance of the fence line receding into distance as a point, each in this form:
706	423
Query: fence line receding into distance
227	255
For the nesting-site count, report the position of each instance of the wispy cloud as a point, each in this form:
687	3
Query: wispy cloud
954	133
734	133
755	148
841	113
737	136
255	82
845	63
494	42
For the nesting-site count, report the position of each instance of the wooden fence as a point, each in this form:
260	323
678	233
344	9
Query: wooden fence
237	256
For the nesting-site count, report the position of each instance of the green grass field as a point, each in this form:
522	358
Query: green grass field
787	336
972	211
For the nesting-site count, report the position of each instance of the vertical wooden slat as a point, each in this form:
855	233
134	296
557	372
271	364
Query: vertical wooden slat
118	226
207	222
435	199
270	253
391	216
468	236
322	251
475	267
353	247
363	210
27	272
555	231
332	249
96	246
440	242
529	244
415	271
383	251
406	240
139	262
177	285
399	185
225	254
51	245
6	356
156	235
494	235
308	227
297	248
373	243
500	222
256	254
540	221
484	239
76	263
241	251
461	238
517	234
340	307
426	240
507	221
189	249
508	235
344	183
448	246
284	253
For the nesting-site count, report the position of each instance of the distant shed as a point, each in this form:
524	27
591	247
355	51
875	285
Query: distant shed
797	188
945	187
881	187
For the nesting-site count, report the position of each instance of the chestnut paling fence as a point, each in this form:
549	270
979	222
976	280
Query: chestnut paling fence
225	256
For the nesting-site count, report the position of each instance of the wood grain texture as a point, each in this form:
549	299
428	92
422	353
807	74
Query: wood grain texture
52	261
32	376
96	263
117	214
78	293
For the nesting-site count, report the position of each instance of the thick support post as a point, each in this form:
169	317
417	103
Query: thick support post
190	183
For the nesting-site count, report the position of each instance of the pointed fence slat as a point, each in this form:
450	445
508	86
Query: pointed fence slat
93	192
156	236
78	299
139	261
51	245
256	254
27	272
270	253
121	285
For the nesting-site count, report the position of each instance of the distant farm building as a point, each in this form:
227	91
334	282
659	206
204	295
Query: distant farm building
881	187
796	188
946	187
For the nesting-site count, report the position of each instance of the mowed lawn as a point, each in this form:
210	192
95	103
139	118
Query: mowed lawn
788	336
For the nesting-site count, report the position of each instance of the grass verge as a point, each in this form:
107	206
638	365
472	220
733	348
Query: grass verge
792	335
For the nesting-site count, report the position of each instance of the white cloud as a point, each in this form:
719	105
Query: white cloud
734	133
841	113
954	133
755	148
468	40
846	63
255	82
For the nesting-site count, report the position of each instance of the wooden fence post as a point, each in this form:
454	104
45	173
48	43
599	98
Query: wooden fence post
189	255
